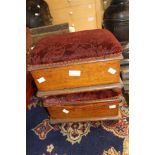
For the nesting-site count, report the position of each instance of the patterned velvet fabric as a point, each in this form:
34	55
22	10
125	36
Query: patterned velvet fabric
86	96
99	43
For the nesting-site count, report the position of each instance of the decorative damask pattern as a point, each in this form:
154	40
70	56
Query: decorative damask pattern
75	131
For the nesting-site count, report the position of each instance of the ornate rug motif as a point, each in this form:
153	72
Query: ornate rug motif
43	129
33	104
50	142
126	146
111	151
50	149
35	101
118	127
75	131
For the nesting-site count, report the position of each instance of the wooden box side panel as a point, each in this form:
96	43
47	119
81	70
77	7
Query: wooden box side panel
94	110
115	86
90	74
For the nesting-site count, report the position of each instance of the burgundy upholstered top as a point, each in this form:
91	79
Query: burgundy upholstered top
75	46
86	96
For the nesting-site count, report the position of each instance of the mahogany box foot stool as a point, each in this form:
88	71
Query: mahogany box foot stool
74	72
87	106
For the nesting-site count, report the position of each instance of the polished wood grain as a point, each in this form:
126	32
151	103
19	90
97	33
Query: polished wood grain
115	86
91	111
55	121
91	74
82	61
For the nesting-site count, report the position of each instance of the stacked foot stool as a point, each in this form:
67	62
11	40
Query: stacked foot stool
78	75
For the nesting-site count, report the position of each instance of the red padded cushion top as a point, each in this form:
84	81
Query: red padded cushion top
86	96
74	46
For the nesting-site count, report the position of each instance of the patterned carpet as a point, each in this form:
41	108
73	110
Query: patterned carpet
87	138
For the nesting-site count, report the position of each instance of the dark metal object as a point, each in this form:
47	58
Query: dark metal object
116	19
125	52
37	13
